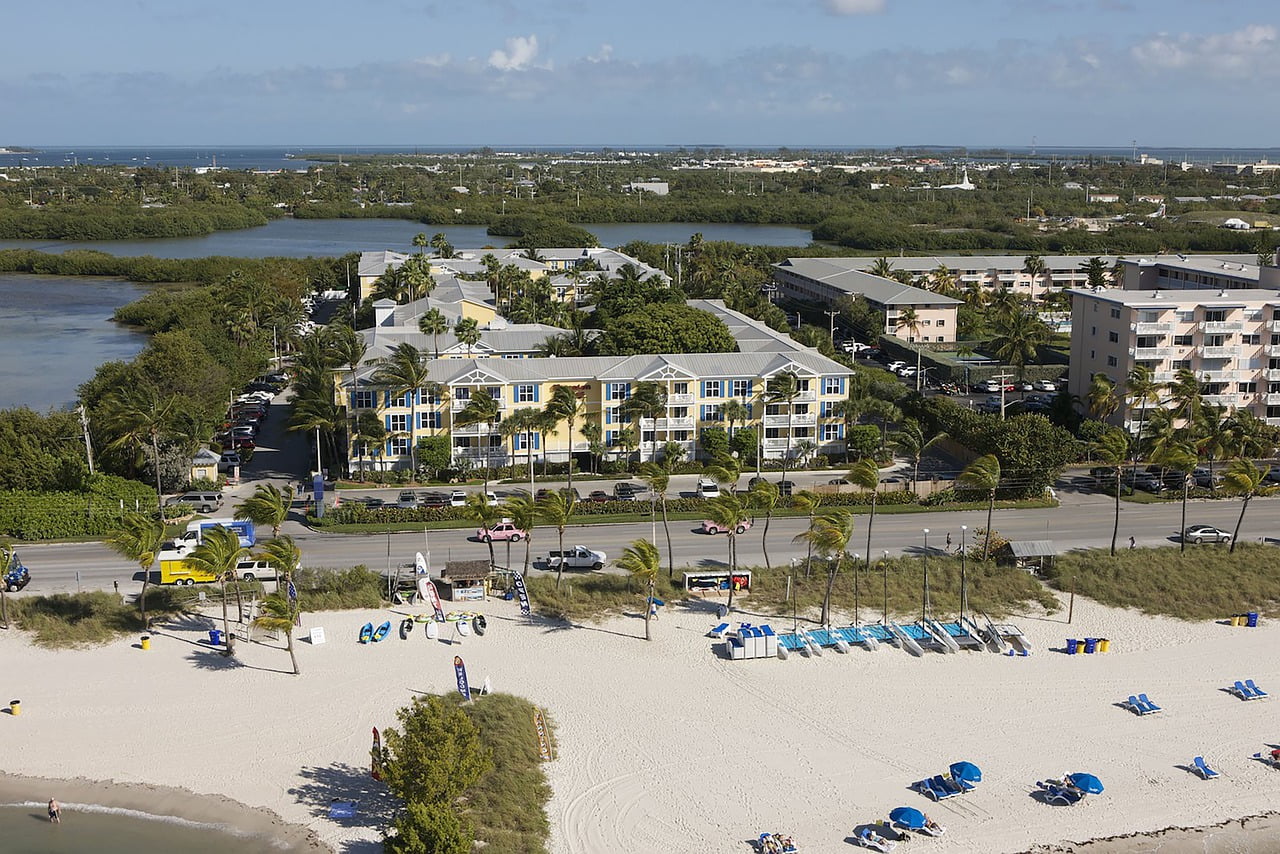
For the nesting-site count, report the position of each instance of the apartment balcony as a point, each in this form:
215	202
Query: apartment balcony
1143	353
797	420
1219	352
686	423
1272	422
808	394
1272	350
1163	376
1221	399
1273	375
1273	399
480	429
457	405
1151	328
1273	326
1221	326
1217	376
685	399
489	456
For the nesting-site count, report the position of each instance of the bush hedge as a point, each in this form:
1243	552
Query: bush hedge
29	515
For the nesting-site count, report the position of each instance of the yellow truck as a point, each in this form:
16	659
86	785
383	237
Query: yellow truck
175	569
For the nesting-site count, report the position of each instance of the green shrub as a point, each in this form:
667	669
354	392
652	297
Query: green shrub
84	619
339	589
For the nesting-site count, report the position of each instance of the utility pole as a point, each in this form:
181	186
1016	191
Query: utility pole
84	428
831	316
1002	377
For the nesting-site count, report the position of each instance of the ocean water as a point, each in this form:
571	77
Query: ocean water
89	829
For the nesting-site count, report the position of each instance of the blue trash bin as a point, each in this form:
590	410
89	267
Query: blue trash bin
1073	646
1090	645
1253	619
215	637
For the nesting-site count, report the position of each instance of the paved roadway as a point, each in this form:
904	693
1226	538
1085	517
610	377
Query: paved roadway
1083	521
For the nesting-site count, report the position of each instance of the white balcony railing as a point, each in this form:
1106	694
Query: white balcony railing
1273	422
1222	326
1273	399
1274	325
685	423
1216	376
1141	353
1221	399
459	404
1151	328
1219	352
807	394
685	399
480	429
1273	350
1273	375
1163	376
807	419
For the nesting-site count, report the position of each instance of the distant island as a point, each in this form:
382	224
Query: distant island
16	149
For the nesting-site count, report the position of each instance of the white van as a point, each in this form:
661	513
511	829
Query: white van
708	488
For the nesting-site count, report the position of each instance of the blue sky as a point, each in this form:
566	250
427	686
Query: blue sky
766	72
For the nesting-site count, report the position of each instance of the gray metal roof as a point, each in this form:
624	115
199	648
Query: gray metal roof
1032	548
834	273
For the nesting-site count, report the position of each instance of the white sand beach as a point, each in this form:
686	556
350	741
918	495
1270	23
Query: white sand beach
667	746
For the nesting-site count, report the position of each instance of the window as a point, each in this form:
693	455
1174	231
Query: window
711	388
711	412
1113	337
1183	340
741	388
925	323
429	420
680	388
617	391
679	412
462	394
1093	330
402	400
1247	388
1250	339
680	435
398	423
833	385
802	385
1115	313
526	393
832	432
400	446
801	409
1179	364
520	441
940	324
611	438
365	399
1215	315
939	338
1187	315
1111	361
612	415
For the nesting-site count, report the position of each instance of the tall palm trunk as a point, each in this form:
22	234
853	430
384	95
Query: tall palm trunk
671	555
870	524
527	541
1182	540
1115	530
986	541
560	566
570	470
1235	536
764	539
142	597
832	568
733	565
786	454
155	447
293	657
226	622
648	611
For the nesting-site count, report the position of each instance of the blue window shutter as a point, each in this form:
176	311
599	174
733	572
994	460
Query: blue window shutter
537	441
626	390
840	431
842	382
723	388
704	388
702	412
537	392
387	418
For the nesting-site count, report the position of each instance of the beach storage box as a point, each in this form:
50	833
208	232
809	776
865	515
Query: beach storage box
735	648
770	642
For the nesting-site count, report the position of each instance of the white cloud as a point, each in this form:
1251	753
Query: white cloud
1233	54
854	7
604	54
519	53
439	60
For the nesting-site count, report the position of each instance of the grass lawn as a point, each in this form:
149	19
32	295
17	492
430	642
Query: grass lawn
1203	583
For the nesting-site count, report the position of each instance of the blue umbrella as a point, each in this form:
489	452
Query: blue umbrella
966	771
908	817
1086	783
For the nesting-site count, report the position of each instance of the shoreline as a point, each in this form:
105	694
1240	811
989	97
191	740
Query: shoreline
146	801
1237	835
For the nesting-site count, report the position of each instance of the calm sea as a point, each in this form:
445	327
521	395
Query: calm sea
101	830
54	331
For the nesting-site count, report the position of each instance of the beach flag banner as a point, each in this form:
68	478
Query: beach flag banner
433	596
375	765
544	741
521	593
460	671
317	487
293	599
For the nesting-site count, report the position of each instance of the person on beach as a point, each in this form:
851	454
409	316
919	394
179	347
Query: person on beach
1133	544
55	812
948	541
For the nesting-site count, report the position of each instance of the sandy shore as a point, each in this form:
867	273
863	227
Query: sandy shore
668	746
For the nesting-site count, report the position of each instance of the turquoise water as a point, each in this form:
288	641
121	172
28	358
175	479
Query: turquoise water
27	830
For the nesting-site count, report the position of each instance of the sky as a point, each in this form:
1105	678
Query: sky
1182	73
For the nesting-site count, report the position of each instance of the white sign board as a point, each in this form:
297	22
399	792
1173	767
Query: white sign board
317	635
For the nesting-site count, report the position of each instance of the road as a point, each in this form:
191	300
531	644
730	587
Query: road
1083	521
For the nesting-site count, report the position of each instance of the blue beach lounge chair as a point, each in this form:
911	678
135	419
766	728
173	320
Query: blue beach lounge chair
1258	693
868	838
929	789
1133	705
718	631
1242	692
1204	770
1148	706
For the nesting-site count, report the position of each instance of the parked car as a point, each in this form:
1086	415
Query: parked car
1205	533
433	500
370	501
408	500
203	502
228	461
626	491
578	557
564	490
249	570
1205	479
1045	385
1145	481
786	487
458	498
503	530
907	371
896	365
707	488
600	496
709	527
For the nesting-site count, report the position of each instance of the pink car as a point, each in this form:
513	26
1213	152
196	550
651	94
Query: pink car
504	530
709	527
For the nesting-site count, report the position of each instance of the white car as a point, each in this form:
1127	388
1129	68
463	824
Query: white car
853	346
708	489
458	498
895	366
1045	385
907	371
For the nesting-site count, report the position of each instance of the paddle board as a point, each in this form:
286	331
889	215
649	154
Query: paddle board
406	626
382	631
420	564
464	628
366	632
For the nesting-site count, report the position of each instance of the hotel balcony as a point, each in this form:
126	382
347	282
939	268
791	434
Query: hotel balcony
808	394
1151	328
1163	376
686	423
457	405
685	399
1219	352
1274	326
1273	375
1273	350
480	429
1273	399
797	420
1216	376
1221	326
1272	422
1144	353
1221	399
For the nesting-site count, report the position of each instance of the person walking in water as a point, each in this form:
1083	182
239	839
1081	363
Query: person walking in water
55	812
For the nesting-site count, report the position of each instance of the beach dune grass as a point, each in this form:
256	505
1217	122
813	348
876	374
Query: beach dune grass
63	620
1204	583
995	589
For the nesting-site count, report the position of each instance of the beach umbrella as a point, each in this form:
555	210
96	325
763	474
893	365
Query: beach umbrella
1086	783
908	817
966	771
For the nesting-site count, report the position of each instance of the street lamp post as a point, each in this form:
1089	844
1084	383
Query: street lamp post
884	620
856	621
963	568
924	599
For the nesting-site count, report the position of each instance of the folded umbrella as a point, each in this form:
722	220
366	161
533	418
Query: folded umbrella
966	771
1086	783
908	817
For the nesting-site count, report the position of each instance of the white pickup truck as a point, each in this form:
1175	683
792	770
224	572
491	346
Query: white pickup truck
578	557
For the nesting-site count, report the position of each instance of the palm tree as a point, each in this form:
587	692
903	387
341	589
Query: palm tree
433	322
284	556
909	321
881	268
556	508
628	441
829	535
566	405
726	471
1246	479
522	510
1102	399
942	281
319	415
483	515
734	411
647	400
280	614
1215	435
658	479
1033	266
269	506
1180	457
642	561
807	502
482	408
784	388
404	372
910	441
467	331
1184	393
1142	389
139	539
217	555
137	416
764	495
728	514
866	474
1018	340
1112	449
522	422
983	475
